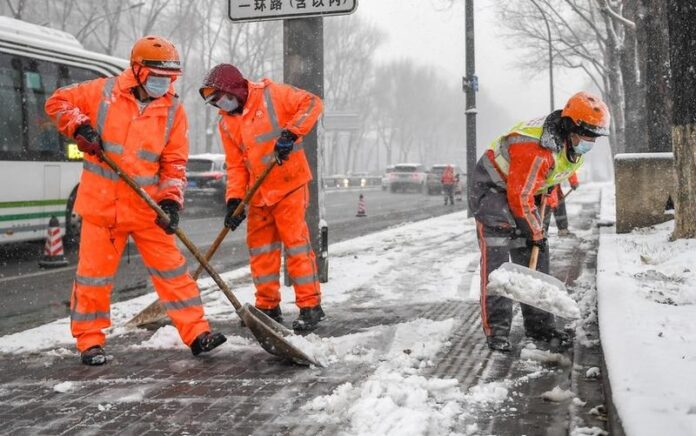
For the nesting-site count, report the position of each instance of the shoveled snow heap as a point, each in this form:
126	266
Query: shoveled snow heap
532	291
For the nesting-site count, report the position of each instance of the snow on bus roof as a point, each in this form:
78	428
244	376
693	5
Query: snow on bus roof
33	35
35	32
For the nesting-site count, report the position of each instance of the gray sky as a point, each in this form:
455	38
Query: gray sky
432	33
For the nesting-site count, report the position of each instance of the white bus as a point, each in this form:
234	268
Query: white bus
39	168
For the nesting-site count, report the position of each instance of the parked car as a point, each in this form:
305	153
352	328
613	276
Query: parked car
434	183
206	175
385	177
407	176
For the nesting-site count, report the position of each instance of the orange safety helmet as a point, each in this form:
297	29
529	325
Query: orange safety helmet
157	55
590	115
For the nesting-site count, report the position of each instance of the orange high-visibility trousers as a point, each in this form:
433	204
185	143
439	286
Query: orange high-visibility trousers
99	257
267	228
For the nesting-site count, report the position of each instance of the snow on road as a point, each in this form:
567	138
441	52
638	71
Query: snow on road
415	262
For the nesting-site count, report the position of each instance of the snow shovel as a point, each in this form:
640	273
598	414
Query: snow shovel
273	337
533	288
155	312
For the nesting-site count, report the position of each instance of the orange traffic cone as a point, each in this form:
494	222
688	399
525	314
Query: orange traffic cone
53	255
362	211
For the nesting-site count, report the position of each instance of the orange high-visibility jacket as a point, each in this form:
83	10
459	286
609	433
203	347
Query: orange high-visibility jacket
448	176
530	164
151	146
249	139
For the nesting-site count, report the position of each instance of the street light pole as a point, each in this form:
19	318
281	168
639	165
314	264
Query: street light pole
470	85
548	31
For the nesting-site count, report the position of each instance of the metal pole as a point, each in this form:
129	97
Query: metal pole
303	67
548	32
470	85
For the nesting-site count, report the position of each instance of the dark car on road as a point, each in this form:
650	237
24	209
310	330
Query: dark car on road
205	175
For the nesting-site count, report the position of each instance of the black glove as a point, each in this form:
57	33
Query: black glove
88	139
171	208
284	145
541	243
231	221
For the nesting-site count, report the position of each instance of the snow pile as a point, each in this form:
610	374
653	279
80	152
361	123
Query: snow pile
647	307
530	290
397	399
315	350
557	395
65	386
489	393
530	352
166	337
593	372
588	431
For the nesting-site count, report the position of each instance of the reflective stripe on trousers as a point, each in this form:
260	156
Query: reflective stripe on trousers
266	227
100	255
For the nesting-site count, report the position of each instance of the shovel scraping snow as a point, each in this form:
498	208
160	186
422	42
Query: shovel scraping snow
534	288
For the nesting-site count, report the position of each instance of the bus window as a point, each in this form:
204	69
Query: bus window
44	141
77	74
11	138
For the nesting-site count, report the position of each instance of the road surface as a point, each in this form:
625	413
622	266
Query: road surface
32	296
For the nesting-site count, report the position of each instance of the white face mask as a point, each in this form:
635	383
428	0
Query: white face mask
583	147
227	104
157	86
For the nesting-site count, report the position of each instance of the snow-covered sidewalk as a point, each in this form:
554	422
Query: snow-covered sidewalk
403	343
647	312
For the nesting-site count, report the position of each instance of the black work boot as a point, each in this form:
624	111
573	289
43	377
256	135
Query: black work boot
308	319
498	343
558	340
207	342
93	356
275	314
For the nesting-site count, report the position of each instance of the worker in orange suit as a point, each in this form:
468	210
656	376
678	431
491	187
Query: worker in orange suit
136	120
448	181
262	121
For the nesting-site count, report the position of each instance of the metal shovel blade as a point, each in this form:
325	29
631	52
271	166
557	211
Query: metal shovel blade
273	336
554	292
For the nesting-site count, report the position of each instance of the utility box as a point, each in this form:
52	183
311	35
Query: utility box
645	187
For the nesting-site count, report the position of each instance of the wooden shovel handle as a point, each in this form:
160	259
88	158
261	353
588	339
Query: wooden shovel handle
240	208
534	257
180	233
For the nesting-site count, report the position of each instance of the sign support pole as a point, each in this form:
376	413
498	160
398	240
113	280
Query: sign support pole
303	67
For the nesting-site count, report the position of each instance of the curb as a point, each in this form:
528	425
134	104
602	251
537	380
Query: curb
613	420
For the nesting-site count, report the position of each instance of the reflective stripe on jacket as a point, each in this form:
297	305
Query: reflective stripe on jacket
249	140
151	146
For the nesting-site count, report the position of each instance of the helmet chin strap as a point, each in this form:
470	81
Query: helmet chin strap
140	94
570	150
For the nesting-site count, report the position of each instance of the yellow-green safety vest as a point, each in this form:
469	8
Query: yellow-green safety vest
531	131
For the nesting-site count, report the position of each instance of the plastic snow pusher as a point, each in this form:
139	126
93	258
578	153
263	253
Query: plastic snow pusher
555	295
155	311
273	337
